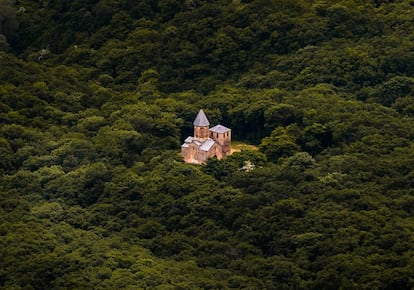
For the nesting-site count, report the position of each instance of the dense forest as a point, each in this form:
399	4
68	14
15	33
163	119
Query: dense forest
97	96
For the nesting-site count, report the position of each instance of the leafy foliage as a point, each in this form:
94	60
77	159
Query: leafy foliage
96	97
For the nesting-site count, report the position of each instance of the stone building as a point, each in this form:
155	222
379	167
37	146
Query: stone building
207	142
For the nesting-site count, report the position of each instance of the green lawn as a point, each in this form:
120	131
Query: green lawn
237	146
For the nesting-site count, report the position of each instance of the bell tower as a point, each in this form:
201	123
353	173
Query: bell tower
201	126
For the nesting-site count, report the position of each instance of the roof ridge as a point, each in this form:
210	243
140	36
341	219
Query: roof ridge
220	129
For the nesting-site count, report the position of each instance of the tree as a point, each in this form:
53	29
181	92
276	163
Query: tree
6	155
279	144
281	115
394	88
315	138
84	185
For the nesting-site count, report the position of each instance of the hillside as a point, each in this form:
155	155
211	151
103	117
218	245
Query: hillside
97	96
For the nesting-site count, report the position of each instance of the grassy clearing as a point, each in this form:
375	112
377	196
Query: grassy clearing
237	146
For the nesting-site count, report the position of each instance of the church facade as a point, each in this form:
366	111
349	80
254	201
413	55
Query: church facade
207	142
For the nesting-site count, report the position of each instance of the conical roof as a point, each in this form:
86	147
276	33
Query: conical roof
201	119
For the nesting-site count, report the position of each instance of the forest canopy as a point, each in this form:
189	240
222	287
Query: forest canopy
97	96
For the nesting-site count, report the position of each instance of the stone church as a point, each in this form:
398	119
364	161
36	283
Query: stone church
207	142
